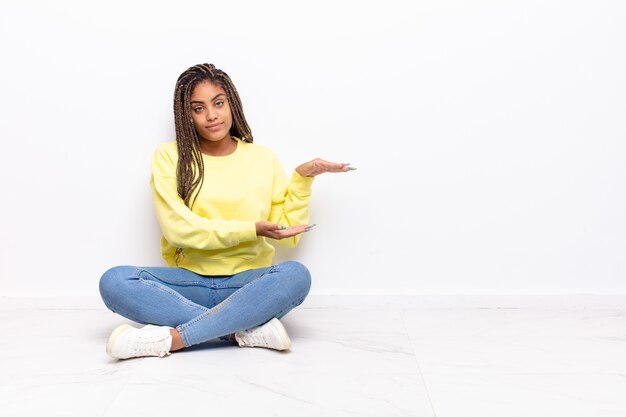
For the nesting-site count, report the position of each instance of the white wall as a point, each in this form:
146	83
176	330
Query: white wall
489	136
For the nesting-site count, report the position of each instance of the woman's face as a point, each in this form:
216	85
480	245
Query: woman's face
210	111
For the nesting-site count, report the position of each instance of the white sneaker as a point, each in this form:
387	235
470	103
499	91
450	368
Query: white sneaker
270	335
129	342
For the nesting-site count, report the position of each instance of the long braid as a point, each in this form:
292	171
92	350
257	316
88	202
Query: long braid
190	168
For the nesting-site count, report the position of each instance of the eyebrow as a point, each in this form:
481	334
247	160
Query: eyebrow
202	102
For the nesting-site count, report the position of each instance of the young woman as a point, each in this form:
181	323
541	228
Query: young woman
218	197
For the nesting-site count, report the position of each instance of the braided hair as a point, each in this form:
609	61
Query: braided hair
190	169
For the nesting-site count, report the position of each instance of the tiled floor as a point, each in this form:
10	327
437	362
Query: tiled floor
355	361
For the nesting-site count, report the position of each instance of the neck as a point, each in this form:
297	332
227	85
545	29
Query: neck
221	147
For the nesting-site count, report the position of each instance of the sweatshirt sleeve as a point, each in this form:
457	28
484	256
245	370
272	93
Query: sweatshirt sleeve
180	226
290	201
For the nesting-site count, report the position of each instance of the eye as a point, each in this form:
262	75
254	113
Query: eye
219	103
197	109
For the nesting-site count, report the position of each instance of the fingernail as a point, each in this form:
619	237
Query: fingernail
310	227
352	168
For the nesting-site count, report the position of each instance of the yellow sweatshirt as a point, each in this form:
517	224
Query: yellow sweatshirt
218	236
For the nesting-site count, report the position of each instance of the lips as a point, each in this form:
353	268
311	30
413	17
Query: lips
215	126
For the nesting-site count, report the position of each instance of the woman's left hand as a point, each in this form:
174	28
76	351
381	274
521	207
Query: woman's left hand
319	166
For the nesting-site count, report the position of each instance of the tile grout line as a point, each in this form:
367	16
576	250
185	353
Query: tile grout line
408	335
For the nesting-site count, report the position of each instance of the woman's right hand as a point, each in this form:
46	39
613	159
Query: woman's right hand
276	231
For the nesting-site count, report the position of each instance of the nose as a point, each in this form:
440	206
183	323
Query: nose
211	114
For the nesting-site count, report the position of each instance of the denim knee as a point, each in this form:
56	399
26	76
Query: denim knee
299	277
112	281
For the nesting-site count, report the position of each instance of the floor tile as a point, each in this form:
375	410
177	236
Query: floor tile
518	342
276	394
532	395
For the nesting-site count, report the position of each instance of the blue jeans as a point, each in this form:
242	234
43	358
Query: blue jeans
203	307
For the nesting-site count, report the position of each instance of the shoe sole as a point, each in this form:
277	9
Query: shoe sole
281	333
114	335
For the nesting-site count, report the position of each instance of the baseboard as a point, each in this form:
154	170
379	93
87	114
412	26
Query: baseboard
363	299
468	301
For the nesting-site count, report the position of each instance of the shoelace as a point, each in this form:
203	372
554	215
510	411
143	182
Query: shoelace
147	345
255	338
